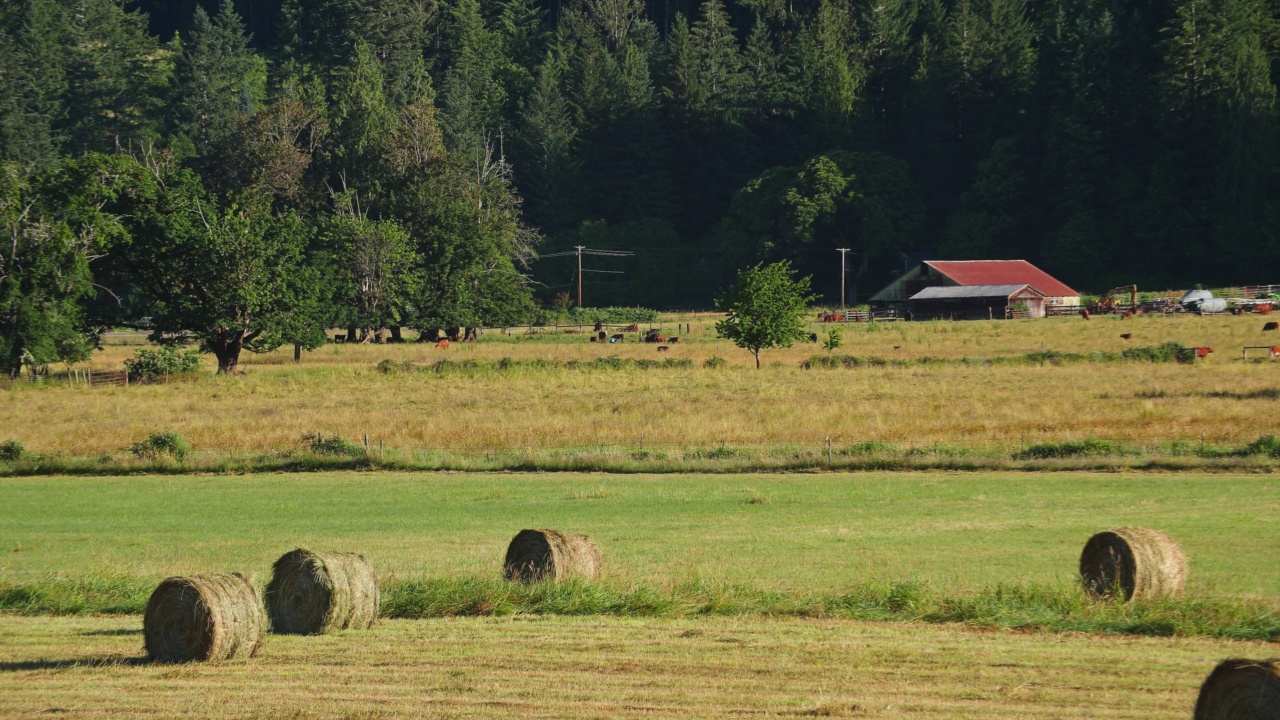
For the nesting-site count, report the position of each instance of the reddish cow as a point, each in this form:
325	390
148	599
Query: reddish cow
1084	313
1203	352
443	344
632	328
1271	326
1275	352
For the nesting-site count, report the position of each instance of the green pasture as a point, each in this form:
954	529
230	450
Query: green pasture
957	532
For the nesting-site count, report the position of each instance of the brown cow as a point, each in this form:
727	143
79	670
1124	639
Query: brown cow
663	348
674	340
1203	352
594	339
443	344
617	338
1084	313
1275	352
600	336
633	327
1271	326
1126	336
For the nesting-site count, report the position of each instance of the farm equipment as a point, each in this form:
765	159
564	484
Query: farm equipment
1112	302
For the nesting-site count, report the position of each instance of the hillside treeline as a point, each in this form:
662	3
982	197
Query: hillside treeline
404	160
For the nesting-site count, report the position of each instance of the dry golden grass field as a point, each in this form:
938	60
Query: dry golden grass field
336	390
530	667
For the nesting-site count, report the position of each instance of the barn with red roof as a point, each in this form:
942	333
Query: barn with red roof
976	276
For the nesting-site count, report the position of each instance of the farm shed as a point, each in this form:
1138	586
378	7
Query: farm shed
977	302
976	273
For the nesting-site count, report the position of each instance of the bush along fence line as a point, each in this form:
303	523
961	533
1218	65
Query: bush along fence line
170	453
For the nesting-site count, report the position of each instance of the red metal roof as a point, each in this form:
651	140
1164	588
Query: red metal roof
1001	272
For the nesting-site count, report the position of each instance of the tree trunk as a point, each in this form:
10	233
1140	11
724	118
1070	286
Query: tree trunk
228	353
396	337
757	354
297	352
351	333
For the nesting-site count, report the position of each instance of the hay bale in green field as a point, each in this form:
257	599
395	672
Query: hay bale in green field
1241	689
312	593
535	555
1133	564
204	617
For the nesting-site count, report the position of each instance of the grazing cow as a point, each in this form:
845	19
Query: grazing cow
617	338
633	327
594	339
674	340
813	337
1264	309
654	337
1275	352
663	348
1271	326
1203	352
443	344
897	347
1128	313
1126	336
1084	313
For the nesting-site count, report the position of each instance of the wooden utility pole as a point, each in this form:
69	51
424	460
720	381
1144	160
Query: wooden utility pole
844	253
580	248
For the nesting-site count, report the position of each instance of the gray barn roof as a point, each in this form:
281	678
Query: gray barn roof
971	291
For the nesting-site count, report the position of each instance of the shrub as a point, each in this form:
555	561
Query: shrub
333	445
161	444
149	365
1071	448
715	362
1168	352
11	451
1265	445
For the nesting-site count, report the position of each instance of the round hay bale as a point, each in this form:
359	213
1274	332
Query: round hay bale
1133	564
551	555
203	617
312	593
1241	689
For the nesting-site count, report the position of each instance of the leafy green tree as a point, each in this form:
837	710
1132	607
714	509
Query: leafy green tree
44	280
764	309
372	268
233	278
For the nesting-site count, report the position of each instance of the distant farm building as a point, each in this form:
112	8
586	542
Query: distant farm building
977	302
977	288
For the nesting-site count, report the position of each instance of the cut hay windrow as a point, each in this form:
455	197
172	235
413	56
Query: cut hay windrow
535	555
204	617
1132	564
1241	689
312	593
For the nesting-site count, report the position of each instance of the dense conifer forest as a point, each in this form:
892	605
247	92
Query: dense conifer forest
276	166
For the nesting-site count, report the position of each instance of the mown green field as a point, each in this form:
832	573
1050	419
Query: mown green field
557	667
811	532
